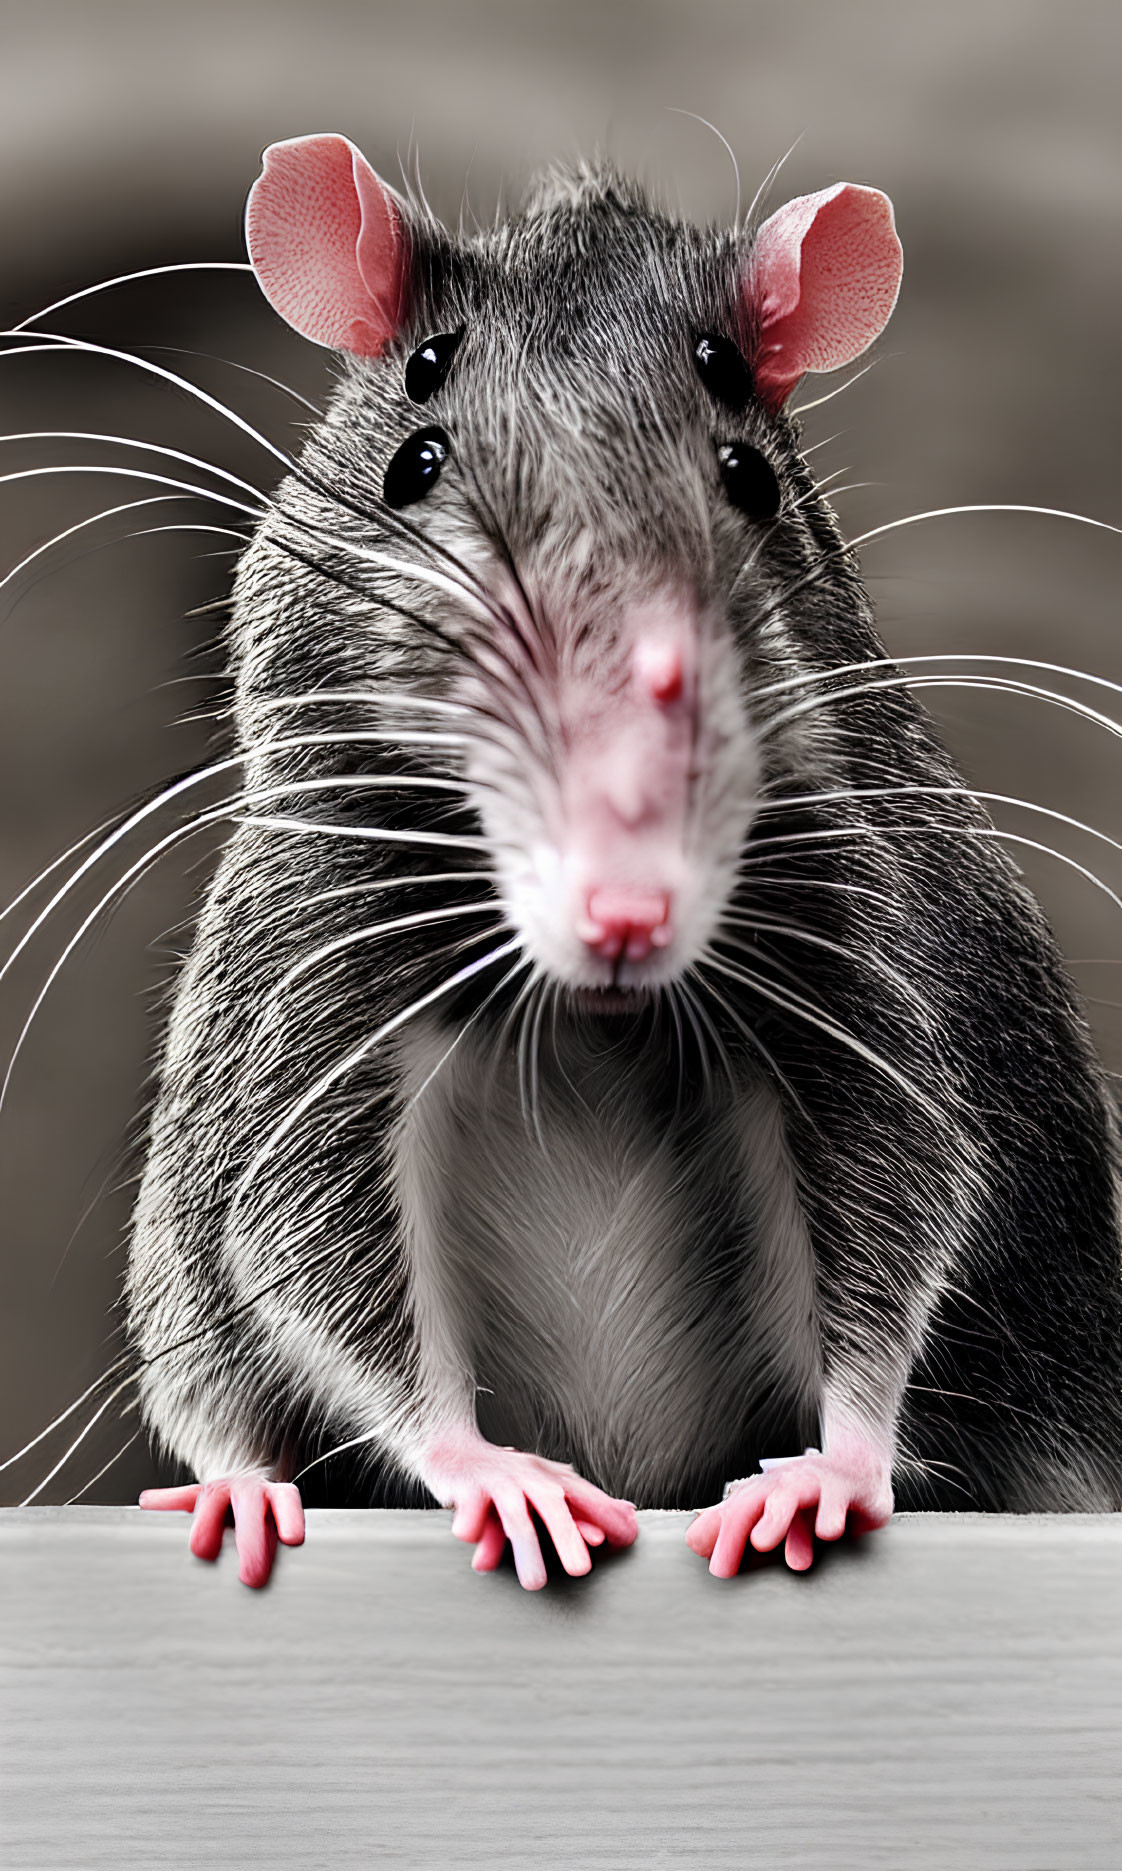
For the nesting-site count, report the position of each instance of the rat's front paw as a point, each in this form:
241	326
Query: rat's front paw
264	1512
493	1491
794	1499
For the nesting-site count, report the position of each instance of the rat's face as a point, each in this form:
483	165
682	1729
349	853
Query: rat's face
578	419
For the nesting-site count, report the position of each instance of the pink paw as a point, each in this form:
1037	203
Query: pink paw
264	1511
792	1501
493	1491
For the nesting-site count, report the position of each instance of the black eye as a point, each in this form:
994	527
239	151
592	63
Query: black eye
415	468
750	481
722	370
429	365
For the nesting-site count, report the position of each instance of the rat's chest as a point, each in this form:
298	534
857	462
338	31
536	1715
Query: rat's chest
621	1282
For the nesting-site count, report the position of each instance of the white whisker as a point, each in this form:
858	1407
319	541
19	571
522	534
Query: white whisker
828	397
339	944
133	474
77	1442
945	656
753	1039
126	279
393	698
770	926
947	831
524	962
56	343
105	1378
105	1467
372	884
355	1058
830	1027
847	794
150	448
283	822
998	684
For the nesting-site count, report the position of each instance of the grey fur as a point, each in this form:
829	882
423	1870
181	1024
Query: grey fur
652	1246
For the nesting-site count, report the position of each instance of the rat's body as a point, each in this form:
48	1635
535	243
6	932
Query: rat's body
702	1125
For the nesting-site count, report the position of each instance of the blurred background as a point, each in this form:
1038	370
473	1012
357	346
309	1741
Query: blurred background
130	132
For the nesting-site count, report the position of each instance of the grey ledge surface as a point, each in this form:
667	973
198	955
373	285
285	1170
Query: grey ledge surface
946	1694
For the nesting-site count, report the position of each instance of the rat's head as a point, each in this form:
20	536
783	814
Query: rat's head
571	428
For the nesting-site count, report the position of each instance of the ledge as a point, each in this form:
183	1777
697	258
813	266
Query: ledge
948	1693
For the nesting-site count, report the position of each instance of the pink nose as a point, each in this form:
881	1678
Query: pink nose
626	922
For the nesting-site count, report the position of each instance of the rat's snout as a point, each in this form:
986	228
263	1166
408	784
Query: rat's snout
625	787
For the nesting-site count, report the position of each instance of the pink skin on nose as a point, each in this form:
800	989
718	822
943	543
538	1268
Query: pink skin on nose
625	922
625	787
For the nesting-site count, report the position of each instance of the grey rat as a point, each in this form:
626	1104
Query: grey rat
616	1064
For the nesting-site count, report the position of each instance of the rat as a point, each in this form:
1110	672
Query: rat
617	1065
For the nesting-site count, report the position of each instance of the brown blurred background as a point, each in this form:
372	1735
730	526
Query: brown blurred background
129	134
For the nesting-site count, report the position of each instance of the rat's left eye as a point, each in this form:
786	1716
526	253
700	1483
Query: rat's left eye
429	365
751	482
415	468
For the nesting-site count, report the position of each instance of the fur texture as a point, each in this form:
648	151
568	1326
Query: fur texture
853	1142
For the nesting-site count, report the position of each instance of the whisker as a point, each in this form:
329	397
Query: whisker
280	790
105	1467
998	684
133	474
355	1058
753	1039
876	964
526	1002
105	1378
946	656
406	882
524	962
56	343
768	182
825	883
949	831
677	112
702	1024
535	1056
76	1444
802	408
126	279
826	1025
283	822
150	448
840	795
395	698
339	944
136	870
232	363
913	519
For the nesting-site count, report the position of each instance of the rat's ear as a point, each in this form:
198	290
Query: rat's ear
822	280
328	244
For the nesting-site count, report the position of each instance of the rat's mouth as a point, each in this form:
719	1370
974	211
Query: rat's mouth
608	1000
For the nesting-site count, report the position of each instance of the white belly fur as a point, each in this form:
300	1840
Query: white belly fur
568	1278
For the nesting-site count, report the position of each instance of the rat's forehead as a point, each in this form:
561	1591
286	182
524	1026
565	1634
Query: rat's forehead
562	276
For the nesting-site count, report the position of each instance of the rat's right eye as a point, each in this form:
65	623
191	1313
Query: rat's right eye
429	365
415	468
722	370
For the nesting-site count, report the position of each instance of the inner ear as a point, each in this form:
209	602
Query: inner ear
821	281
328	244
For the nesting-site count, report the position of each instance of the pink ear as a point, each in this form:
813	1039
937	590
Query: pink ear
823	279
327	244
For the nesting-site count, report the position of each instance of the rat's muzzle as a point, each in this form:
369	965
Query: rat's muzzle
625	789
